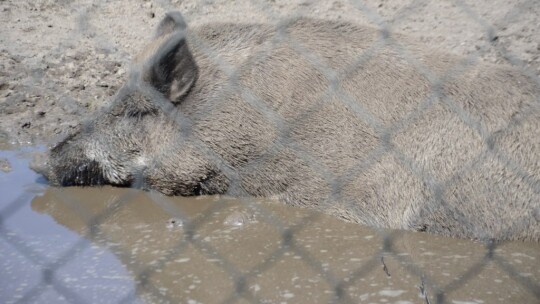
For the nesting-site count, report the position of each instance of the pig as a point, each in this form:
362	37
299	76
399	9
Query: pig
353	121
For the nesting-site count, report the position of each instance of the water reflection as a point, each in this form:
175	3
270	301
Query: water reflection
138	245
31	243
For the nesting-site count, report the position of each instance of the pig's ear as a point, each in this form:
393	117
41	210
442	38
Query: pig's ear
172	22
173	70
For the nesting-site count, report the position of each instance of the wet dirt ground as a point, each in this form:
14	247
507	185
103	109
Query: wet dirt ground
114	245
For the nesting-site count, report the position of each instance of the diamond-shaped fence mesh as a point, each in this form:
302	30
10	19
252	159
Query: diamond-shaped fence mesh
431	290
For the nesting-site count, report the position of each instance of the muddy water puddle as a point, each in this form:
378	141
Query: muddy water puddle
113	245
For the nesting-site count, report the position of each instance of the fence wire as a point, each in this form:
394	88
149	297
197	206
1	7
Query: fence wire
336	181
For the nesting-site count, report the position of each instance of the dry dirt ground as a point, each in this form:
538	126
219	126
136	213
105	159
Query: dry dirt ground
62	59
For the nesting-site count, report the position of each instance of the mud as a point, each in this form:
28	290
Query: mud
108	245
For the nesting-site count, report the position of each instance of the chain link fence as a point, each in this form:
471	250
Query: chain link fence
87	15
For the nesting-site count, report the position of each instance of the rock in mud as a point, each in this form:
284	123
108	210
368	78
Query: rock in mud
5	166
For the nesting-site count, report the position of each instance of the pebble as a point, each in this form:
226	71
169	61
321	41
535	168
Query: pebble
174	223
238	218
5	166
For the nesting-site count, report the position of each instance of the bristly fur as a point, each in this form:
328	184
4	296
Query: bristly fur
87	174
322	114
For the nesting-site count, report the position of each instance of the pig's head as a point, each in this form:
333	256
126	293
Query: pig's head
140	139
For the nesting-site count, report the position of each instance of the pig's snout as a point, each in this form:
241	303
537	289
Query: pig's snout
40	163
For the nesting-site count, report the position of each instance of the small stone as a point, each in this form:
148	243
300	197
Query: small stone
175	223
5	166
102	84
238	218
